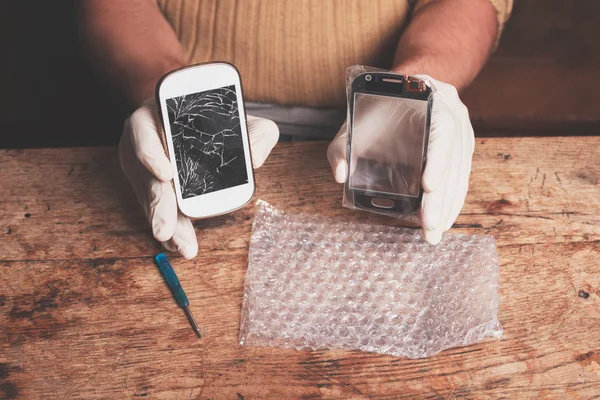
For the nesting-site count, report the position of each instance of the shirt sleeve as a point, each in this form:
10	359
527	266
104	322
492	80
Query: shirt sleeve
503	10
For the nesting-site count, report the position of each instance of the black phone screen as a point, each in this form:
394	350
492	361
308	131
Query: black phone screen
207	141
387	142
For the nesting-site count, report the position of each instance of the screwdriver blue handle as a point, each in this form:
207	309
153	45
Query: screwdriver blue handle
169	274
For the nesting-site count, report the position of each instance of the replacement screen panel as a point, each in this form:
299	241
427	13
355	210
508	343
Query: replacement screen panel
388	141
388	134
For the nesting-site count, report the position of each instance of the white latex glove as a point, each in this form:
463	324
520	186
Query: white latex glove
146	166
445	179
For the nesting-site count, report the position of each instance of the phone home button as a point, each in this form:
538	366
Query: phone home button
382	203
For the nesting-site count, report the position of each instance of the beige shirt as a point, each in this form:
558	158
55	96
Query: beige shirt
295	52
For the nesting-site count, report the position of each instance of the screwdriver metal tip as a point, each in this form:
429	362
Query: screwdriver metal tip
190	317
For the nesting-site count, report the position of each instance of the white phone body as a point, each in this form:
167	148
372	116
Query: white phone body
204	122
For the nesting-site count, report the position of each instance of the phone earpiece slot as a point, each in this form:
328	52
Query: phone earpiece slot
392	80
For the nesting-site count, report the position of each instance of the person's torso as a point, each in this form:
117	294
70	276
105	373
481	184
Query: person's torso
290	52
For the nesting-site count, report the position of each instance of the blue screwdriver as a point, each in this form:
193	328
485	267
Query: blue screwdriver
169	274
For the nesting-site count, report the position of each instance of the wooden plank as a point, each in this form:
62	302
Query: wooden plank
548	186
84	312
109	328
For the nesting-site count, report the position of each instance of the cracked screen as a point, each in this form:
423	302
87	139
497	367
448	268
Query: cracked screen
207	141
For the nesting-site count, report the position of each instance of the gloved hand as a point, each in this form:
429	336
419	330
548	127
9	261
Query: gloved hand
146	166
445	179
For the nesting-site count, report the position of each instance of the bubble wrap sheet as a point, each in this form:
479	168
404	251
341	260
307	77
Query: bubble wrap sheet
314	283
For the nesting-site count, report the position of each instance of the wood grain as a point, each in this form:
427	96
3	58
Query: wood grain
84	313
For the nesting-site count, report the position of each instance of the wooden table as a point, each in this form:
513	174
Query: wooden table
84	313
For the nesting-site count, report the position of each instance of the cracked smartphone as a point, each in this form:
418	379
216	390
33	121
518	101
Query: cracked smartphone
206	137
389	117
